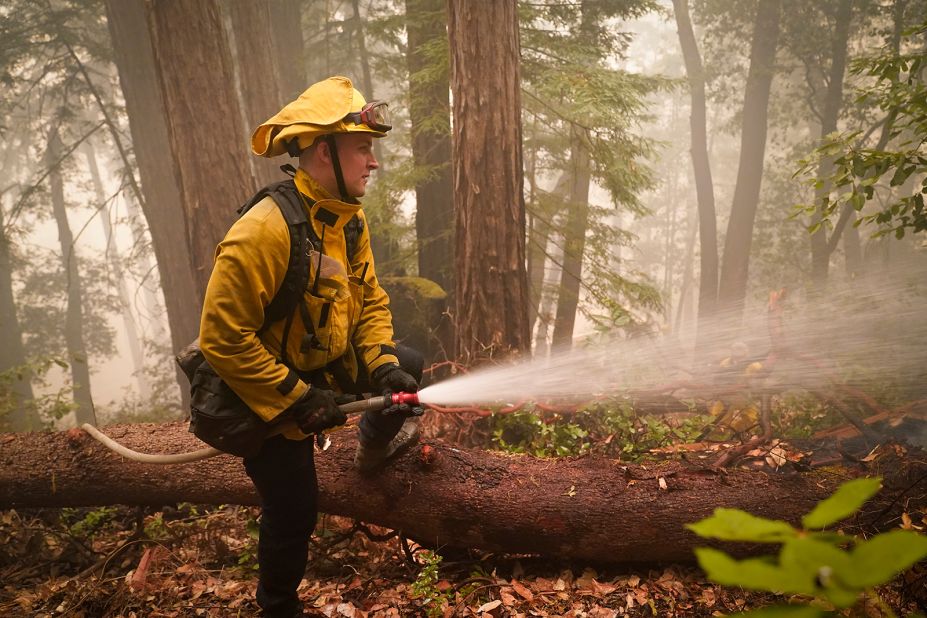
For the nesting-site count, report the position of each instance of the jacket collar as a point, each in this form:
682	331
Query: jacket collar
326	210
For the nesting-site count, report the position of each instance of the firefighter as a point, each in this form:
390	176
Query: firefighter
339	342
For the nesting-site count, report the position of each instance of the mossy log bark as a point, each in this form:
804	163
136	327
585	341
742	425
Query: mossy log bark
587	508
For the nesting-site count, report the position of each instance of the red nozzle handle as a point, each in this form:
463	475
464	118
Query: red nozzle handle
409	398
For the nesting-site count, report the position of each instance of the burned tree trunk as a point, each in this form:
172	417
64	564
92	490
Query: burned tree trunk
586	508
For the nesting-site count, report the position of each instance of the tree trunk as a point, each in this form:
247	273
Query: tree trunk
74	316
204	126
429	114
114	260
586	508
22	416
253	64
161	206
574	241
488	180
704	186
821	249
289	48
732	287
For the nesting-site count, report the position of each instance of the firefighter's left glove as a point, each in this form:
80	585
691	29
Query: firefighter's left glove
391	378
316	410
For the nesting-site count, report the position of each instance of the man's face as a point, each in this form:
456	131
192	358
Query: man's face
355	153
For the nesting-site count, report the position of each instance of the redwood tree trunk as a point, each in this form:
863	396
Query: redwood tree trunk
429	113
492	283
256	78
585	508
289	48
704	187
161	206
732	287
204	123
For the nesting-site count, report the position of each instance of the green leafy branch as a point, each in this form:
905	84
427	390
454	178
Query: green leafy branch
833	568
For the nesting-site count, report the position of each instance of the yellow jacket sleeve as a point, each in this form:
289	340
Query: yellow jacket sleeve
373	336
250	265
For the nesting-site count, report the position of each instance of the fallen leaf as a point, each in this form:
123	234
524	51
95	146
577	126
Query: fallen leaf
522	591
662	482
488	607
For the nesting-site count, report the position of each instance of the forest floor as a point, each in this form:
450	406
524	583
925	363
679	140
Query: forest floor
191	560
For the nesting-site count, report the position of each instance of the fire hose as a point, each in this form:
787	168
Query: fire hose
373	404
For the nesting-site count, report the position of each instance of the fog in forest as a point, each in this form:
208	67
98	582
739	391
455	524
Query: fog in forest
118	176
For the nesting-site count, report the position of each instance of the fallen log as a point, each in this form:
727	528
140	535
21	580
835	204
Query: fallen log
586	508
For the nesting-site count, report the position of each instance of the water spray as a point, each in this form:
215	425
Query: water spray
372	404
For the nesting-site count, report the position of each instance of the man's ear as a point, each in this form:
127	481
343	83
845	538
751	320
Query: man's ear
324	151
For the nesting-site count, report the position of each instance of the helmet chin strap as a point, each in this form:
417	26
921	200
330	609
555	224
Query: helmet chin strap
336	166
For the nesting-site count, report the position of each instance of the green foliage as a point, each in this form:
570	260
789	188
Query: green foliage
894	172
833	568
425	586
90	523
610	428
247	555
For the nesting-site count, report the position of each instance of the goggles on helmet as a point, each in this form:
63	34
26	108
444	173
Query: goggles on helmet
374	115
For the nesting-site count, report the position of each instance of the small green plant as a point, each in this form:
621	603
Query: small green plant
89	524
609	428
247	557
425	586
833	569
156	528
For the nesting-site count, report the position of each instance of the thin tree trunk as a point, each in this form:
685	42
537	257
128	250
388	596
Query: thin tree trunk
161	204
74	318
704	186
583	508
119	276
429	96
687	271
574	241
539	247
255	71
732	287
194	68
492	283
833	101
22	415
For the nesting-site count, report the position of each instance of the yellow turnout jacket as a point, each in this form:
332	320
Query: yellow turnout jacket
249	268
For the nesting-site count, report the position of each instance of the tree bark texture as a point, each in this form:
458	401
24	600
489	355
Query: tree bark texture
204	123
584	508
255	77
162	208
821	249
74	312
732	286
429	113
492	286
574	241
289	48
704	186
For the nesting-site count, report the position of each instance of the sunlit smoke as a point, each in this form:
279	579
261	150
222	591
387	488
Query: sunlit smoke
872	335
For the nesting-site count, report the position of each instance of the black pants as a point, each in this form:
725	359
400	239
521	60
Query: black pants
283	473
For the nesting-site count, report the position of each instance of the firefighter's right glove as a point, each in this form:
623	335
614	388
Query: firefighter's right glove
316	410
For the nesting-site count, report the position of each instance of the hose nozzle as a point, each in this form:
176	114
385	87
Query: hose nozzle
407	398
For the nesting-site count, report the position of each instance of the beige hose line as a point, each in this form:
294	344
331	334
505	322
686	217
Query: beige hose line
205	453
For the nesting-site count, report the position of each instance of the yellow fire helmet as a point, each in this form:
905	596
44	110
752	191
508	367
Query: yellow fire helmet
330	106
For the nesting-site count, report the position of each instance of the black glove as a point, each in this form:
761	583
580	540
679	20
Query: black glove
393	377
316	411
